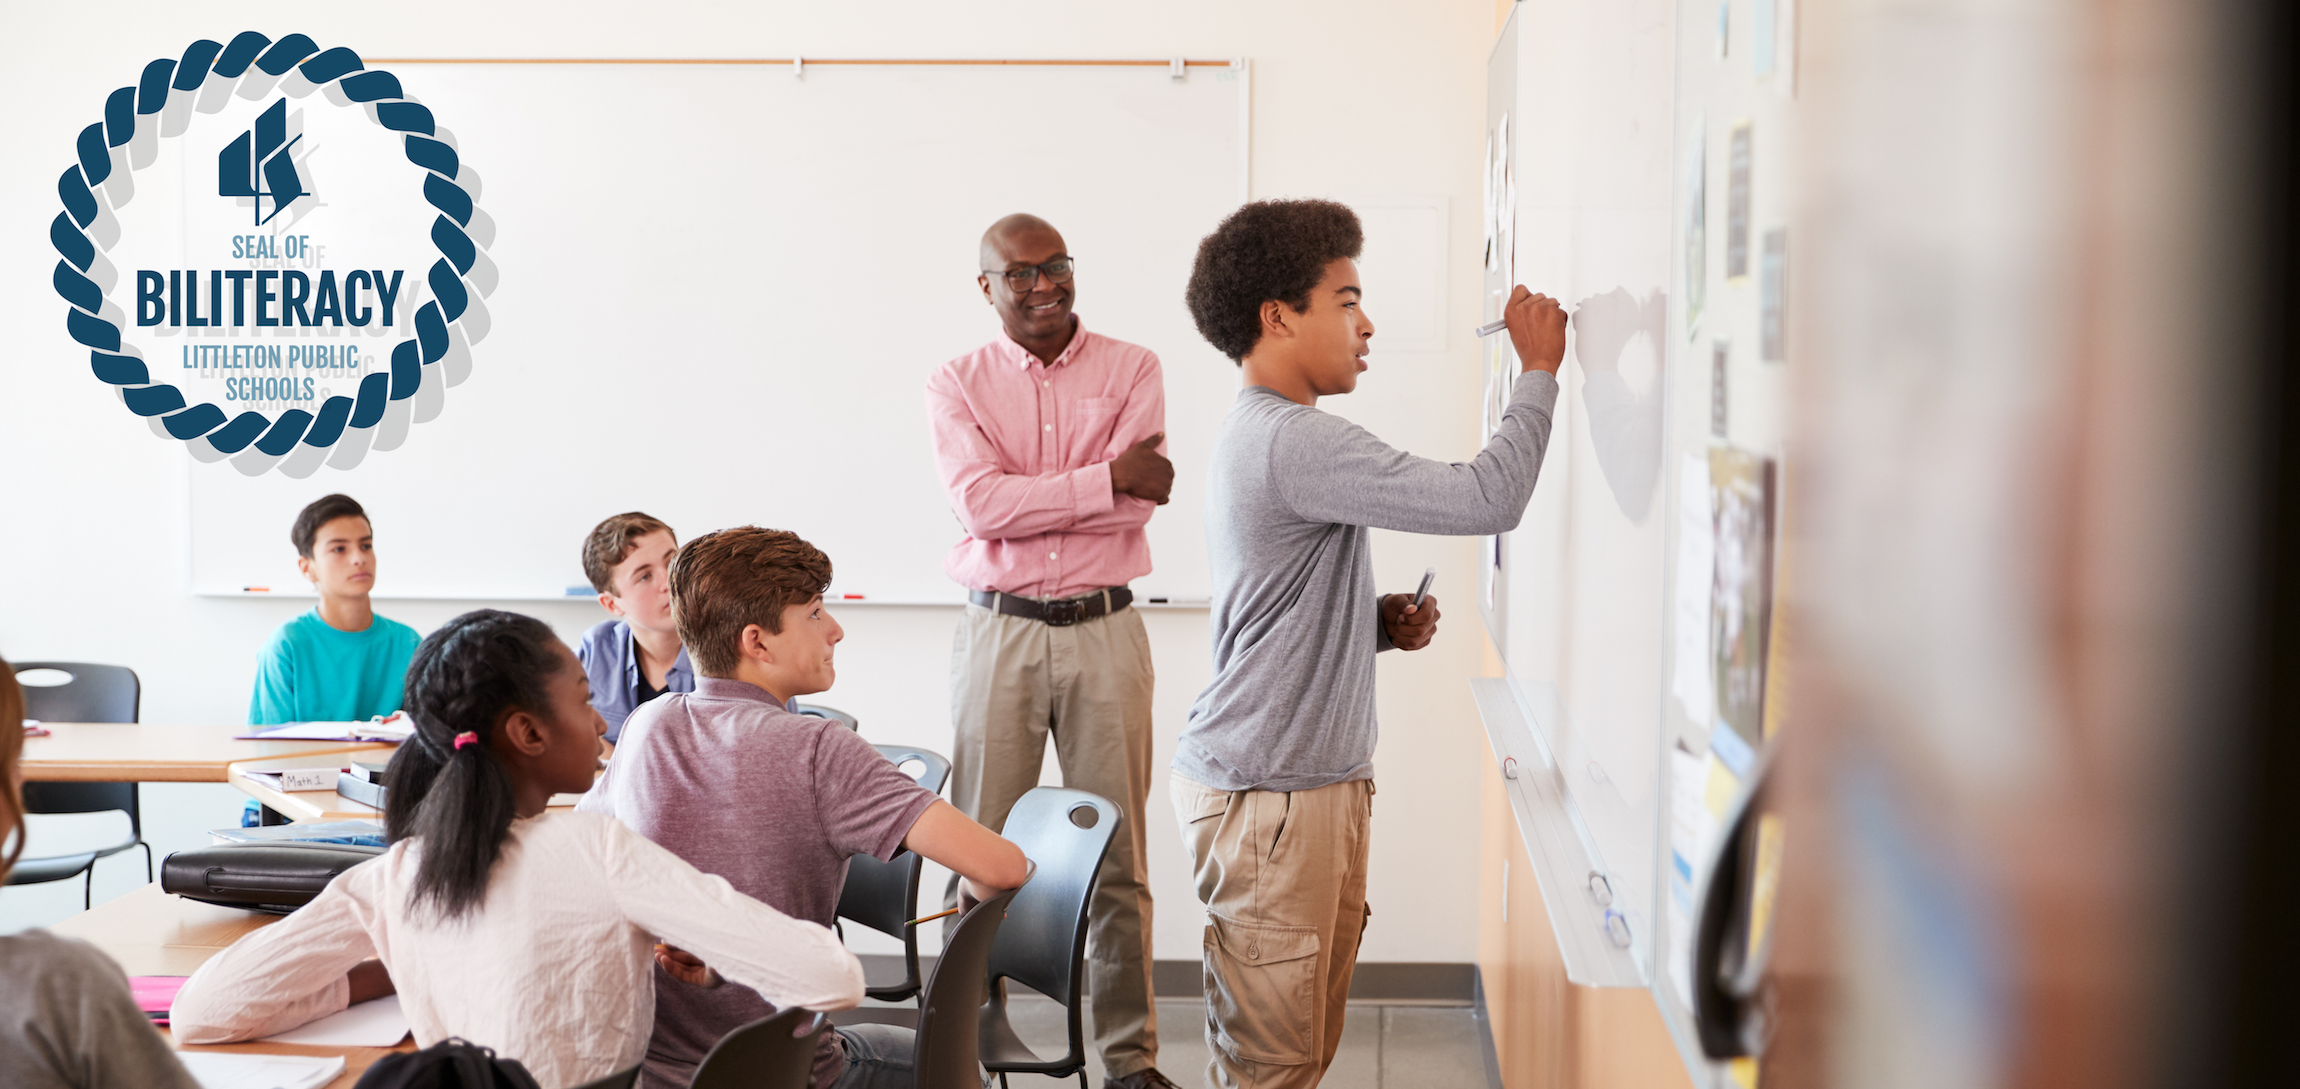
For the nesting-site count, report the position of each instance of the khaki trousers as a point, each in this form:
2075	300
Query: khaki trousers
1013	683
1283	877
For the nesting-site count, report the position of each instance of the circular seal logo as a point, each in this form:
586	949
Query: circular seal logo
307	280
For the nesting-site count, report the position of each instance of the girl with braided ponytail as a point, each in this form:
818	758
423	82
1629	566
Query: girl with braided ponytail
532	933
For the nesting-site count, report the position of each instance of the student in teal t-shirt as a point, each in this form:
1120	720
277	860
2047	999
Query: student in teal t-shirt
339	662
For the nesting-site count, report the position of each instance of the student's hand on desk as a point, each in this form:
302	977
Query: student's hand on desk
1537	329
686	967
1410	628
370	979
1143	472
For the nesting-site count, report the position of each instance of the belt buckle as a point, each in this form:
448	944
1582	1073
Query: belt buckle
1062	614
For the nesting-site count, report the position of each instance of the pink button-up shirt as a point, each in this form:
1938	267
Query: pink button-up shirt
1024	450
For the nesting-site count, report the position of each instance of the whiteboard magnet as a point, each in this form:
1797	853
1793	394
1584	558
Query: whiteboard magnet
798	67
1176	69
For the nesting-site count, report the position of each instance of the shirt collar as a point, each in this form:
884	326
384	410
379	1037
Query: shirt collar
679	665
1021	357
728	688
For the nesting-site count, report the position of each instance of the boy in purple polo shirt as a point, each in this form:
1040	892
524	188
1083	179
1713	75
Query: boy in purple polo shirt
729	779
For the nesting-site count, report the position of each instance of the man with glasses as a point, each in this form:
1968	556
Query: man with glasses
1048	440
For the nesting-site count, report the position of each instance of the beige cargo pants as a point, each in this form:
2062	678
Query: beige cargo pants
1014	682
1283	877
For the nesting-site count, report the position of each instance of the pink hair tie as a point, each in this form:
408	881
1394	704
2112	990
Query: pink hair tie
467	737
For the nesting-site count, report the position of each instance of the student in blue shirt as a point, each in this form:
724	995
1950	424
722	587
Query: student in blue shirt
637	656
339	662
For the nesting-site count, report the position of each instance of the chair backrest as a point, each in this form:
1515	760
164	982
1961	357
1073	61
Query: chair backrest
772	1053
948	1051
92	693
934	768
1066	832
884	895
831	713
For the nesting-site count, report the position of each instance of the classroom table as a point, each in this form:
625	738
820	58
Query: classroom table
154	934
150	752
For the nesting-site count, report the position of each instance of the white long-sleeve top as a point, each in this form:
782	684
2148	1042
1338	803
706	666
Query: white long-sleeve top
554	969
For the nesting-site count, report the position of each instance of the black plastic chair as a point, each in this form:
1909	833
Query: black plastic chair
1043	947
94	693
621	1079
948	1051
884	895
771	1053
832	713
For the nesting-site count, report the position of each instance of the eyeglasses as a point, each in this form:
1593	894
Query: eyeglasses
1019	280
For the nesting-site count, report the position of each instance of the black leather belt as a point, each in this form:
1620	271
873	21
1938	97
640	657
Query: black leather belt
1060	614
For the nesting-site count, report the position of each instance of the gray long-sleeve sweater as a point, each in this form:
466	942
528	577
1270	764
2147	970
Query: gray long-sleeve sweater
1297	621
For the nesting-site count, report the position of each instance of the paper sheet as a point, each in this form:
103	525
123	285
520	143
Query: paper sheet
1691	828
398	729
377	1023
225	1070
1696	578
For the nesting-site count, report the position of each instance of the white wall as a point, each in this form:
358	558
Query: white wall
1352	99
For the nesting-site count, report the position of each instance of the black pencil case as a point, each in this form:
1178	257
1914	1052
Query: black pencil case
273	877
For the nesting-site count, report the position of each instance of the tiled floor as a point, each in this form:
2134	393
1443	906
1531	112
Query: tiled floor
1383	1047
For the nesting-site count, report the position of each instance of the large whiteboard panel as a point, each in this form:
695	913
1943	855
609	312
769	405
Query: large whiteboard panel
1579	613
723	289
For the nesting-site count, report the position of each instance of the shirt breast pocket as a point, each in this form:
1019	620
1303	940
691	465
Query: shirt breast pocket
1093	419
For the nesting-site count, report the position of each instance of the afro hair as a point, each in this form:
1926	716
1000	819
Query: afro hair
1270	249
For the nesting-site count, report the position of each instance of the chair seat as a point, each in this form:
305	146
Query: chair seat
34	871
1005	1052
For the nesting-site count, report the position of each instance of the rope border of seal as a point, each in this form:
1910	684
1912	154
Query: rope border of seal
124	109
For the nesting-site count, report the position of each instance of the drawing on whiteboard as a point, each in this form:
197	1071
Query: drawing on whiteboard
1741	495
1624	421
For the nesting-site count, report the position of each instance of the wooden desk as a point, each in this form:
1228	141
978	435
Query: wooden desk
148	752
154	934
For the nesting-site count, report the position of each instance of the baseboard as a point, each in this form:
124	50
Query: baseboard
1387	983
1484	1016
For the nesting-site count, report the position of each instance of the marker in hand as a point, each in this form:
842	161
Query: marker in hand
1428	577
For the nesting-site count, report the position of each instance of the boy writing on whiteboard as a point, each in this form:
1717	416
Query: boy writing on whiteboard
1273	776
338	662
637	655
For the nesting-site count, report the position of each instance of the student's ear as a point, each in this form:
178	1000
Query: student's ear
754	641
303	567
608	602
522	732
1274	318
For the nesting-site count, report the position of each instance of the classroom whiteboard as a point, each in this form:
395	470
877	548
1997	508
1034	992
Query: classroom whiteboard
722	289
1580	129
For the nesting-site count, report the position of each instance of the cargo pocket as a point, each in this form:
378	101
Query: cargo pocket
1261	990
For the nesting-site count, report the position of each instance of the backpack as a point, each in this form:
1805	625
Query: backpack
453	1063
